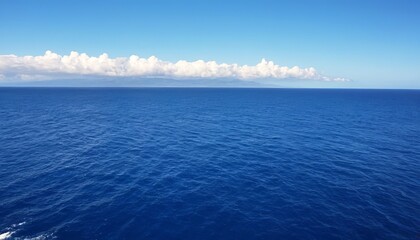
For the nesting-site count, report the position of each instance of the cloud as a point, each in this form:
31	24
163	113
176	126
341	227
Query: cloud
54	66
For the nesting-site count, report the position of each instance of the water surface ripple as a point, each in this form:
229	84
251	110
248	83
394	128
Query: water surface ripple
209	163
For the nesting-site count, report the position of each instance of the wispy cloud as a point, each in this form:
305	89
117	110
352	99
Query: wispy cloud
52	65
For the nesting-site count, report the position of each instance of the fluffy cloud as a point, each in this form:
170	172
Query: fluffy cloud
51	65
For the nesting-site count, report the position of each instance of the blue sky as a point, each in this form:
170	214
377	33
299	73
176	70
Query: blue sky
375	44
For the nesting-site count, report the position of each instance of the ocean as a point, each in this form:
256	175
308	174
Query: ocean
209	163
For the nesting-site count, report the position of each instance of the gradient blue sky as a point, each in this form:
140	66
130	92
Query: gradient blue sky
376	44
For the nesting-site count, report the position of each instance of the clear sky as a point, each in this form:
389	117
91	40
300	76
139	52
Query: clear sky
374	44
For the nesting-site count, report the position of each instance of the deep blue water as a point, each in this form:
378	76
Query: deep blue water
209	163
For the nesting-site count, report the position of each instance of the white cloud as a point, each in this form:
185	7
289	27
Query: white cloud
51	65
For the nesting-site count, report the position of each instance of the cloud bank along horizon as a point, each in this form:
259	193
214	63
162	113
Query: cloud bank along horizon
54	66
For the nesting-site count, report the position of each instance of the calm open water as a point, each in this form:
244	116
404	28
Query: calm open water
209	163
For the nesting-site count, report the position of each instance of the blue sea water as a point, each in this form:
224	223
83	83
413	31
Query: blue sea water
169	163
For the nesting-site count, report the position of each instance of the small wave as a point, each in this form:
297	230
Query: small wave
10	231
40	237
6	235
18	224
14	229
